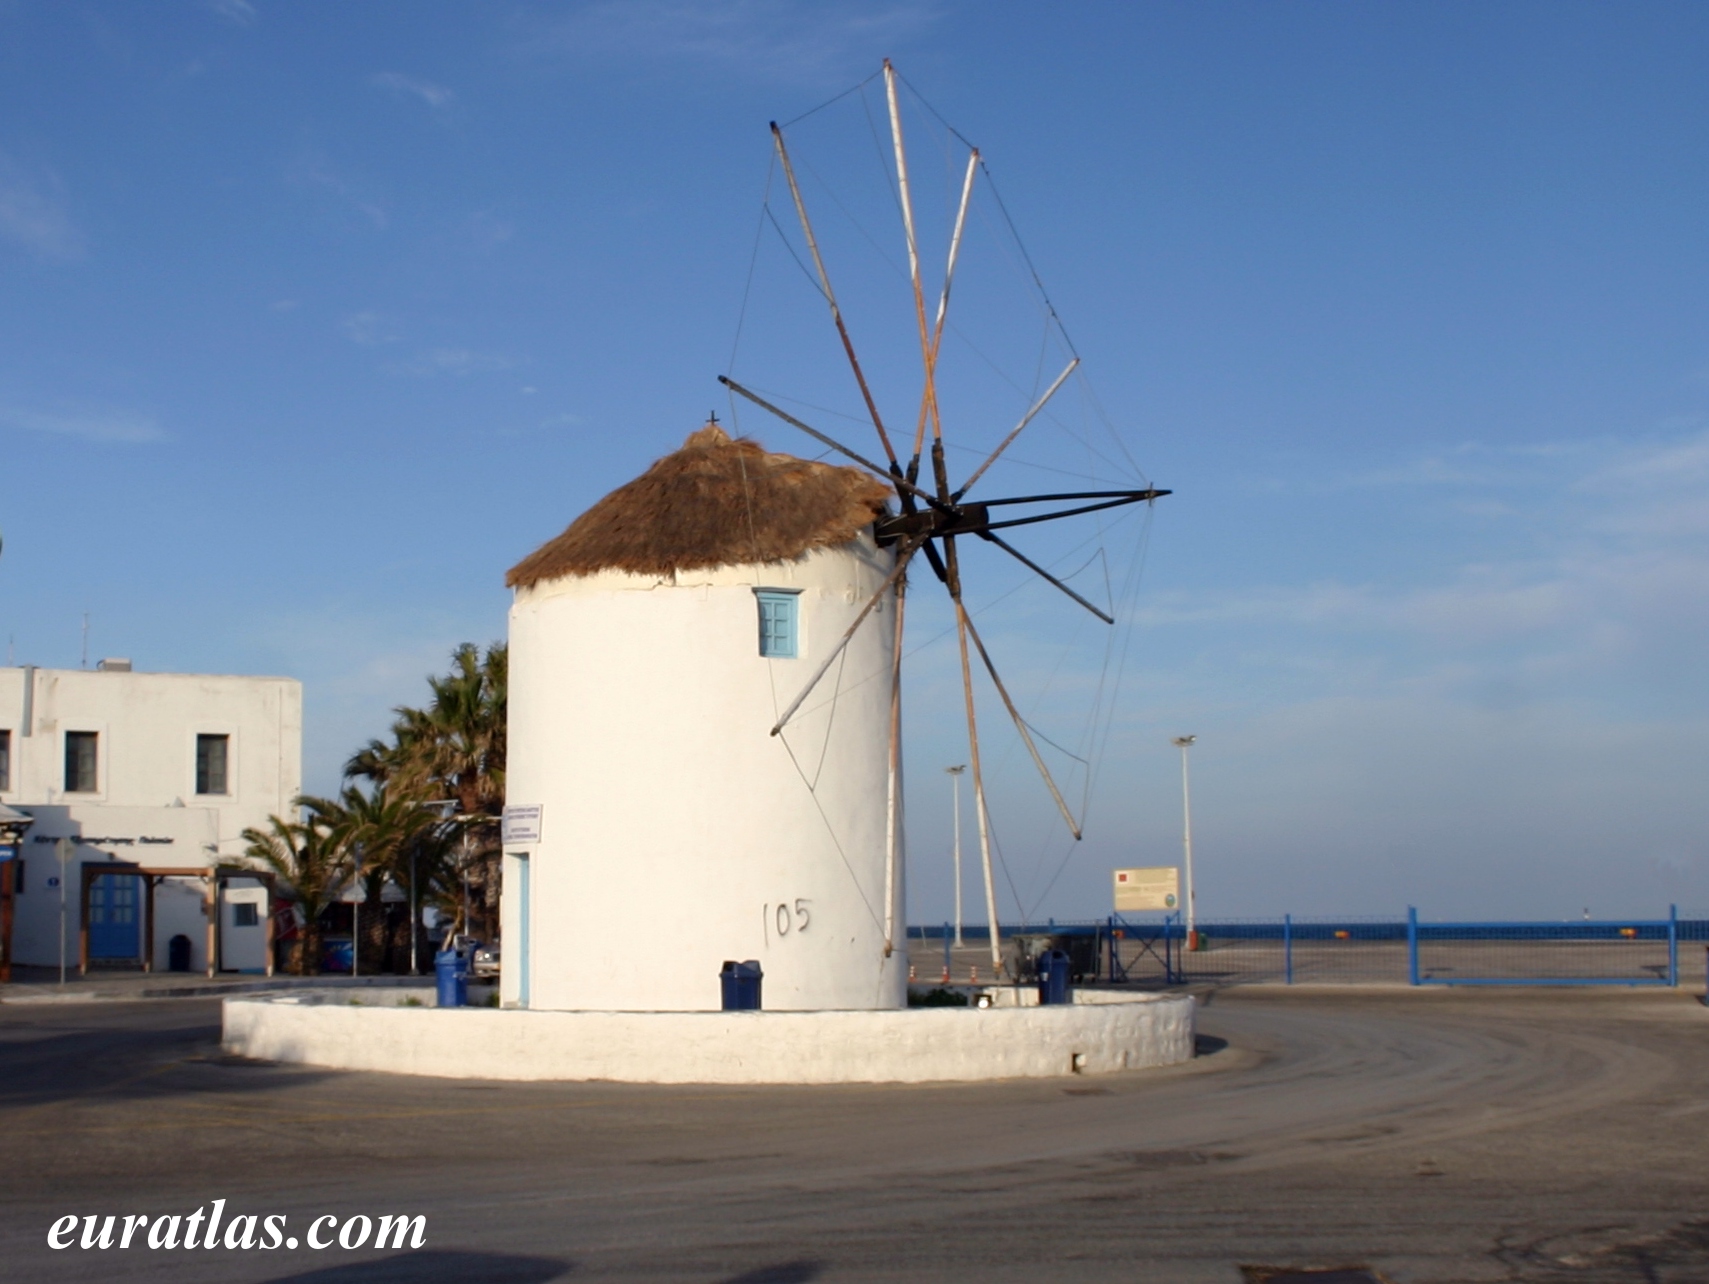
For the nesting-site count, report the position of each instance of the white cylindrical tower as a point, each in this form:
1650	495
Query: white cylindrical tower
652	647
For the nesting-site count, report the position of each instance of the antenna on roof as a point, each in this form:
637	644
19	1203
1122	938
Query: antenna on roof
712	416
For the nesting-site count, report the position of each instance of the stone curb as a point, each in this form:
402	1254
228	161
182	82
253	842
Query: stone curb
213	990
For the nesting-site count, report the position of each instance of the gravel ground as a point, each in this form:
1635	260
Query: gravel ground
1540	1136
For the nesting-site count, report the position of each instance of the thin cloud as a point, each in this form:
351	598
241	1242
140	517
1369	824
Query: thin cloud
101	425
770	38
240	13
457	361
1604	579
312	170
33	215
367	329
431	94
488	230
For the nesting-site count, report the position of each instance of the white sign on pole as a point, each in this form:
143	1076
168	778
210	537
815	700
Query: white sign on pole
522	824
1148	889
353	894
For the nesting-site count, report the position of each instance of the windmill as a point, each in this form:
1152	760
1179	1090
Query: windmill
934	512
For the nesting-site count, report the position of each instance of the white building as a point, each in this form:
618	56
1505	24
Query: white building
653	646
153	771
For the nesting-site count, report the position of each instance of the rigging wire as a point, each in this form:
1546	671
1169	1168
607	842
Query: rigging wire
1095	422
852	89
811	784
753	263
811	279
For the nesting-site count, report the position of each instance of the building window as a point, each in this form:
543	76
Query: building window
80	762
245	914
211	752
777	623
5	761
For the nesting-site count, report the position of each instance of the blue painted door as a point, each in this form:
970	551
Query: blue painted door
115	929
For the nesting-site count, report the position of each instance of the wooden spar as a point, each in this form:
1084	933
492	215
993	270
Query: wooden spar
930	393
928	404
1016	432
830	295
961	627
955	248
1026	736
1028	562
893	798
889	476
903	553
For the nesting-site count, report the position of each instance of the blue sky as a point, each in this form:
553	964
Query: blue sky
314	319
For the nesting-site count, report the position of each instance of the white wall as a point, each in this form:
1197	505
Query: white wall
1097	1034
674	824
147	725
153	837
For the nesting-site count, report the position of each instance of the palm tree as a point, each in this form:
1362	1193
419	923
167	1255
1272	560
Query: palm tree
312	864
387	837
453	750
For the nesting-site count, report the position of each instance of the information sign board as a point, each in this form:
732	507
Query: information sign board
522	824
1148	889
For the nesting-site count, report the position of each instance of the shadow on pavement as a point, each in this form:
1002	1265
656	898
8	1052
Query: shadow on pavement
783	1273
74	1056
432	1265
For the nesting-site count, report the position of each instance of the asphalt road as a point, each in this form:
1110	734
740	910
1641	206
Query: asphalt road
1551	1138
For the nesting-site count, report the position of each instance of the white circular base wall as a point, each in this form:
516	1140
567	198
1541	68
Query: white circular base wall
1099	1033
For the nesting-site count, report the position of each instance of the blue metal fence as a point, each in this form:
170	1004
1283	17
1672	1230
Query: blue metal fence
1348	950
1629	952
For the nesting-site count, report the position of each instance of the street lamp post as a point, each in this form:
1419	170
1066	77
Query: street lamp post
1184	743
955	778
64	850
356	920
449	807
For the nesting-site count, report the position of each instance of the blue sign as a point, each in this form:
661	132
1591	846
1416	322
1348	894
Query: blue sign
53	882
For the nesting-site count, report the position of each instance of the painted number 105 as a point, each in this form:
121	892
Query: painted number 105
783	918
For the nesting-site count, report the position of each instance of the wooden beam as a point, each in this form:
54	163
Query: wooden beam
830	295
86	877
8	880
979	793
268	880
148	884
1026	735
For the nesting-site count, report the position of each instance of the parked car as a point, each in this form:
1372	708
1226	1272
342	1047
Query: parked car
484	961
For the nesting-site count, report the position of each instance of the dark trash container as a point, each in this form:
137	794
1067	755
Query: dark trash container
741	983
1055	984
451	974
178	954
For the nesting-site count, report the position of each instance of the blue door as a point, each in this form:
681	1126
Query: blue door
114	929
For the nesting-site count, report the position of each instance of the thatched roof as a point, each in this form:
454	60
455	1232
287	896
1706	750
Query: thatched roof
715	502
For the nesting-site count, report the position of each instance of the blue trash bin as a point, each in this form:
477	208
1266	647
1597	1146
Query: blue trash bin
451	973
1054	977
741	984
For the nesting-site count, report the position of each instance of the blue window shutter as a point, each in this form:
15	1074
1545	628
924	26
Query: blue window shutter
778	629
